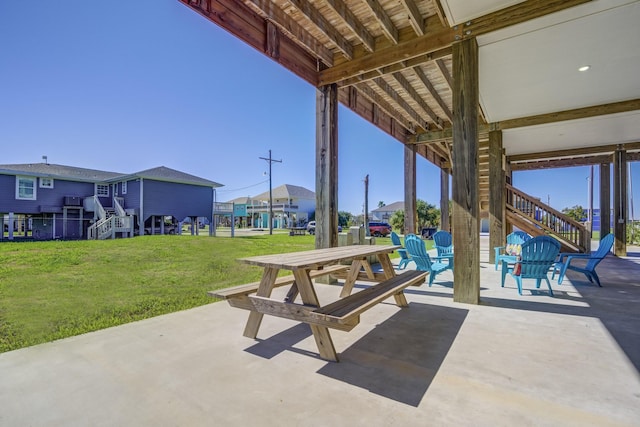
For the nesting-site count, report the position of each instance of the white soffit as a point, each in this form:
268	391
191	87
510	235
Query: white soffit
590	132
458	11
532	68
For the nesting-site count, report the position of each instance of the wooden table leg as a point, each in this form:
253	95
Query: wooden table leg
389	272
264	290
320	333
350	280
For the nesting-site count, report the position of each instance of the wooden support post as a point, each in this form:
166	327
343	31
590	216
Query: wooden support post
466	204
444	199
605	199
497	233
620	202
327	166
410	189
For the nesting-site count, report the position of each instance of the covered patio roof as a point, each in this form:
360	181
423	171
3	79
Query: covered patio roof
392	63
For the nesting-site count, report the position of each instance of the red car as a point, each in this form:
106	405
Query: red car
379	229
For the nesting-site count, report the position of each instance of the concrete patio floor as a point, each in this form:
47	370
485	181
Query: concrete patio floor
568	360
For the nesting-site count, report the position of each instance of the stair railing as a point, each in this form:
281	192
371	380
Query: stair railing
553	222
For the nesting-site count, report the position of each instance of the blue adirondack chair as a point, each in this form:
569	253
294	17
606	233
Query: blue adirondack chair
418	253
564	261
515	238
404	257
537	256
443	242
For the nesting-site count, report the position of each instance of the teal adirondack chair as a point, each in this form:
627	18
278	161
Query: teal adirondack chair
404	257
443	242
516	238
593	258
537	256
418	253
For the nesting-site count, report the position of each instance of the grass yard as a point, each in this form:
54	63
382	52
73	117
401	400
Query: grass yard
53	290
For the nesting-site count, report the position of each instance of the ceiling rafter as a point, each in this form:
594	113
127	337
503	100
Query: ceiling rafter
386	25
291	28
352	22
374	97
414	62
406	86
436	38
397	99
573	152
445	72
415	17
440	12
434	93
323	25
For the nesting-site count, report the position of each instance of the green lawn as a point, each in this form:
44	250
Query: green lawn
52	290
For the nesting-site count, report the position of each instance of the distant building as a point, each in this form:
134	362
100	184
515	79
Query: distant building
292	207
44	201
385	212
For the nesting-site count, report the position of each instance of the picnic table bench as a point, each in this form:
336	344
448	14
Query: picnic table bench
343	314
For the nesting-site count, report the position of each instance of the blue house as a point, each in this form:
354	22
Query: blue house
44	201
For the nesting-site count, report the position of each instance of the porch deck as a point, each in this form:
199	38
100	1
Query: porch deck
573	359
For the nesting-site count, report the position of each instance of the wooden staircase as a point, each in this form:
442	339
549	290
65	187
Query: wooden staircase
536	218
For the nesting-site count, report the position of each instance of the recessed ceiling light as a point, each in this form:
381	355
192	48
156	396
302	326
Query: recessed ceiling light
584	68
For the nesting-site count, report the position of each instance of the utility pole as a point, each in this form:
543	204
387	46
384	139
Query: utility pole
270	161
366	206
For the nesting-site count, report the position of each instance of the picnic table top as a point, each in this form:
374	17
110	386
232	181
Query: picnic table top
317	257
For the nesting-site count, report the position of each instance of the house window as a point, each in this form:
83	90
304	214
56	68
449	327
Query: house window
46	182
25	188
124	187
102	190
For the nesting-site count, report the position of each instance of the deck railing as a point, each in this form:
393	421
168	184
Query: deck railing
543	219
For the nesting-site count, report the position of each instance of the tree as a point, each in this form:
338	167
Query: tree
344	218
428	214
397	220
381	204
576	212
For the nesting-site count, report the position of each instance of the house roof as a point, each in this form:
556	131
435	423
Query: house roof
287	191
163	173
395	206
50	170
73	173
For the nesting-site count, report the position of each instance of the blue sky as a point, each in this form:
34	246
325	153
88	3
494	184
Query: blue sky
125	86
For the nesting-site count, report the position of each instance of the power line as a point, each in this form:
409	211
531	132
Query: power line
243	188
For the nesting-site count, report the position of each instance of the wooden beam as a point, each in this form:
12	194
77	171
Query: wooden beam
497	215
620	202
432	90
413	94
435	39
578	113
374	97
292	29
444	71
605	199
415	17
440	12
327	167
352	22
404	105
466	206
413	62
386	25
410	213
561	163
573	152
324	26
444	199
251	28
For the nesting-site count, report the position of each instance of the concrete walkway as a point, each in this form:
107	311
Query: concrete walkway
572	360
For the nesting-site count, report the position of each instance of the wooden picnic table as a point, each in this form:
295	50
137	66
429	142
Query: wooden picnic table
343	314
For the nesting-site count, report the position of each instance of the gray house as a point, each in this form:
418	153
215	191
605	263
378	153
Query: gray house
385	212
46	201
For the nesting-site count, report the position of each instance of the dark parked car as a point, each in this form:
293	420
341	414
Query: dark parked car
379	229
311	228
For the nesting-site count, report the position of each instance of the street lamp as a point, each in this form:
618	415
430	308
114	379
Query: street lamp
270	161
